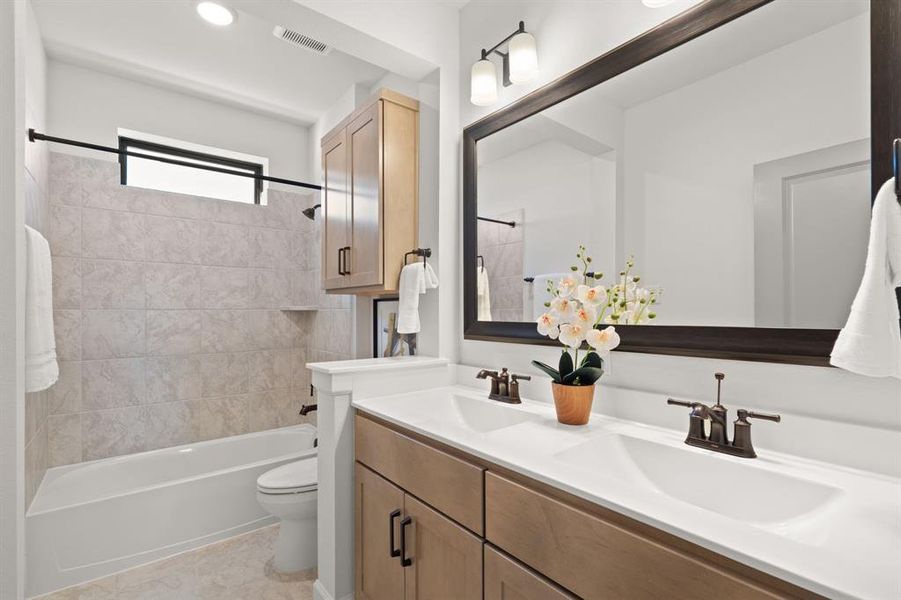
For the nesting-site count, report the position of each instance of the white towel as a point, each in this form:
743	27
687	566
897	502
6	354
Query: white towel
415	279
41	370
870	342
483	294
539	292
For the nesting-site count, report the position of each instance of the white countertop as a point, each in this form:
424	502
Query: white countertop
371	365
830	529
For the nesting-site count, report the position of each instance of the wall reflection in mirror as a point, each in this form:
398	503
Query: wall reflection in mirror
734	169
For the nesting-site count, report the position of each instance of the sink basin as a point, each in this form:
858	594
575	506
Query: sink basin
481	416
732	487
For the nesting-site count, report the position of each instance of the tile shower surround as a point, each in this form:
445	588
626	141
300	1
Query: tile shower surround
167	314
502	248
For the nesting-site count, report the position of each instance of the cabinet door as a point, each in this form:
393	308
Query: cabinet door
506	579
335	211
446	560
379	576
364	136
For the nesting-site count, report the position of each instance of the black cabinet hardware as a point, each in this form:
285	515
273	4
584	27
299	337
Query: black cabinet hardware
395	552
404	561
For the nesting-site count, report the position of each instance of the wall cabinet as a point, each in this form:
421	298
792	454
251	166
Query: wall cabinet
432	522
370	196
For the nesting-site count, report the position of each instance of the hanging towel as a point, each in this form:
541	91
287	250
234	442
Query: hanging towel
870	342
539	292
415	279
483	292
41	370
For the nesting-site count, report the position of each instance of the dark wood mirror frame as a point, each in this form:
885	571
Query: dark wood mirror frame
798	346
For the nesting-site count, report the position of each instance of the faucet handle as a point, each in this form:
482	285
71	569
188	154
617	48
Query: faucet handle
515	377
744	415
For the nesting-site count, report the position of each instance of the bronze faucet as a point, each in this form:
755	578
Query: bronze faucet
718	439
504	386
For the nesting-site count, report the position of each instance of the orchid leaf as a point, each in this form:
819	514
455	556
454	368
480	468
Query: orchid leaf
592	359
584	376
552	372
566	364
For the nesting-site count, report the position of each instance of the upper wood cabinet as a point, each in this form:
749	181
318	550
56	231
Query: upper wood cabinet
370	196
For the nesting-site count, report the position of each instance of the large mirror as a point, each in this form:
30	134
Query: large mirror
730	177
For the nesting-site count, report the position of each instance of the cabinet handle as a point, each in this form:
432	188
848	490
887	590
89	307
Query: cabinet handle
395	552
346	254
341	262
404	561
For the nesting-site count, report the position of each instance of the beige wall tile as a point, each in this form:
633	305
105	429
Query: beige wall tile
270	248
173	240
112	284
170	378
112	383
114	432
112	333
224	287
113	234
67	329
226	331
270	370
64	439
173	332
66	282
64	396
173	286
224	245
65	231
212	418
224	374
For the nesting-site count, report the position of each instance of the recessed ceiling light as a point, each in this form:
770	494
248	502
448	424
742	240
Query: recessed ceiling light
655	3
215	13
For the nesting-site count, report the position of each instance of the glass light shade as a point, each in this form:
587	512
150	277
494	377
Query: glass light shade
655	3
483	83
214	13
523	58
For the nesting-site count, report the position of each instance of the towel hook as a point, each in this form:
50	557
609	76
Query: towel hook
481	261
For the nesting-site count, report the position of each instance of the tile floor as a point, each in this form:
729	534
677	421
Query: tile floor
238	568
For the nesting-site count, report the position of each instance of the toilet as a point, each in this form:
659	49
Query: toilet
289	493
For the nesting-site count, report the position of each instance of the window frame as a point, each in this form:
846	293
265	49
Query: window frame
127	144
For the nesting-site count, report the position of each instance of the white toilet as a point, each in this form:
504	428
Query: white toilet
289	493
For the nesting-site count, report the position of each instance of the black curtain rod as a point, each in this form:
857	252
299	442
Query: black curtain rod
507	223
34	136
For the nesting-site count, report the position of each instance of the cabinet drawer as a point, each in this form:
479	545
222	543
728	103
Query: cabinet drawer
596	558
452	485
506	579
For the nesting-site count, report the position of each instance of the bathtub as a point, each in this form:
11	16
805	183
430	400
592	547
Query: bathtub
93	519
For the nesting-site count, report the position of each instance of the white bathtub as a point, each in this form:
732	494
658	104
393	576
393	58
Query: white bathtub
96	518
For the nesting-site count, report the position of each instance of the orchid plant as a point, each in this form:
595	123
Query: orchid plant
579	307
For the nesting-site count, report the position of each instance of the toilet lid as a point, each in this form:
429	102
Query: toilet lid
298	476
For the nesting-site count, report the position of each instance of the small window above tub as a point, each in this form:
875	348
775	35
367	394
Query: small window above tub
180	179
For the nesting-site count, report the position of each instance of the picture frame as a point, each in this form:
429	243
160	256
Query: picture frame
386	342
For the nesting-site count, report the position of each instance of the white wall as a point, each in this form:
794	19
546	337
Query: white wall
690	156
12	298
89	105
569	198
569	34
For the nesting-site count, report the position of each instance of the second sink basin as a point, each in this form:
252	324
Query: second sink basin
732	487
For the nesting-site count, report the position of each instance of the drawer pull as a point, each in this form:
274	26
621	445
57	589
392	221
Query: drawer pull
395	552
404	561
340	260
346	250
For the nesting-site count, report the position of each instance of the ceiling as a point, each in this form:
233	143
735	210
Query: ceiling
165	42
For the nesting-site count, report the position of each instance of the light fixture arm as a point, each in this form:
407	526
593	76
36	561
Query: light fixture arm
505	56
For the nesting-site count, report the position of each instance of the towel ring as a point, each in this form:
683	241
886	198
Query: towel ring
423	252
481	261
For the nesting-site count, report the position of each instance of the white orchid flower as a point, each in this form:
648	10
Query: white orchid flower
572	334
585	315
547	325
603	340
563	309
592	296
567	286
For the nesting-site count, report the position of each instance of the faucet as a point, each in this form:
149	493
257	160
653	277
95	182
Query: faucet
718	440
504	386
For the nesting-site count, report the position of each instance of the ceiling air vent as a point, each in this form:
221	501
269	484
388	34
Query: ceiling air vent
299	39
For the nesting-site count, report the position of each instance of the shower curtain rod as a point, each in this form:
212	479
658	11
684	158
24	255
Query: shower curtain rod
499	222
34	136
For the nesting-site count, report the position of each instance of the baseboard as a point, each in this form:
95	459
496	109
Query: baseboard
320	593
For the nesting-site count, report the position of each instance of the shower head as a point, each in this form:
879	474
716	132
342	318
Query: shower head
310	213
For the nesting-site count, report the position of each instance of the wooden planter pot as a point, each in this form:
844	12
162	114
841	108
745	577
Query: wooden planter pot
573	403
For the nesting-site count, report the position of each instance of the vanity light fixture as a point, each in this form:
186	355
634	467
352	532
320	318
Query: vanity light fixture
520	65
215	13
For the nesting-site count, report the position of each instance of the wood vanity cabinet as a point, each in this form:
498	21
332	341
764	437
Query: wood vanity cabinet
370	195
476	531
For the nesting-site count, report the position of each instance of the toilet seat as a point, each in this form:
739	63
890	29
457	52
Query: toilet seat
293	478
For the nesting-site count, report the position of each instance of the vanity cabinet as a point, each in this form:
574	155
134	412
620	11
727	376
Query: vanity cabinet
370	196
476	530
